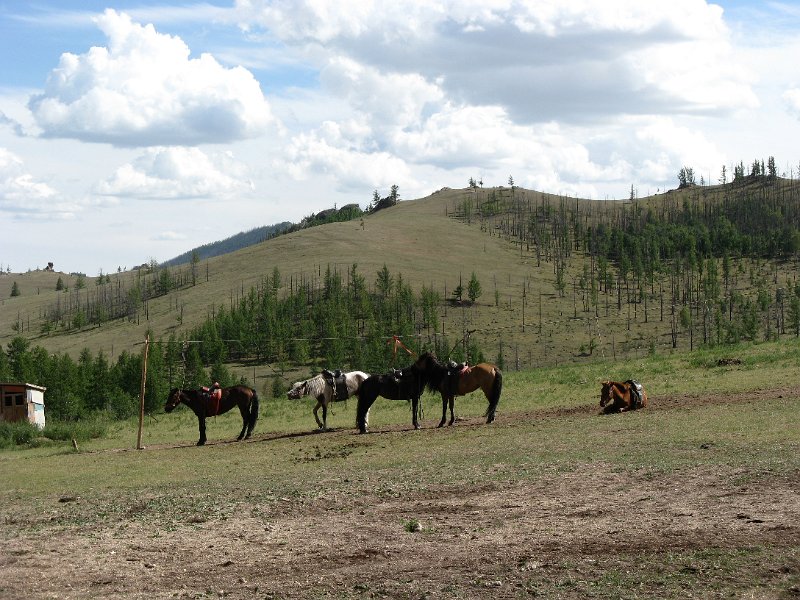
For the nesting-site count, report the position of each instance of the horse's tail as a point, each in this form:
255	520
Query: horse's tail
253	411
497	388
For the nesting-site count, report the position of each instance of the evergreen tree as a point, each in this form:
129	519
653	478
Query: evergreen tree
474	288
19	359
195	373
15	290
384	282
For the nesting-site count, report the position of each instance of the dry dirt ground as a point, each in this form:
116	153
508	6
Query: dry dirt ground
593	532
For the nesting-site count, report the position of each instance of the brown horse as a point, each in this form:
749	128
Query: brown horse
451	382
210	404
619	396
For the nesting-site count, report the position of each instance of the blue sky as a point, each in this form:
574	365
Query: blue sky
134	131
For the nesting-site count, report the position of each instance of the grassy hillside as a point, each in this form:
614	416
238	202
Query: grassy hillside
520	312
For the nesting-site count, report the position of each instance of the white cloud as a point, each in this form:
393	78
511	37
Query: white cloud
25	197
333	151
792	99
145	90
169	236
572	60
178	172
670	146
387	99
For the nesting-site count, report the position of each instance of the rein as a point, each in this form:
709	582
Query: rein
397	343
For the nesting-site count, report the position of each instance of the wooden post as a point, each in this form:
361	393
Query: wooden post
141	394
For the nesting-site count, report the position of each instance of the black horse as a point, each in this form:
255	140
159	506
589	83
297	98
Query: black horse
406	384
210	404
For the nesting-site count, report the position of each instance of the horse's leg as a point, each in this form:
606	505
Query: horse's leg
452	403
414	411
365	402
316	410
202	424
245	412
252	415
324	425
444	410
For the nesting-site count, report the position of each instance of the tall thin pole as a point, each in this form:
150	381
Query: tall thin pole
141	394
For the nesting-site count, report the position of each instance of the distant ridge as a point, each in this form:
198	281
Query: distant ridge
231	244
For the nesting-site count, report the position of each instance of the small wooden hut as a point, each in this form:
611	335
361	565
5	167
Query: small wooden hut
21	401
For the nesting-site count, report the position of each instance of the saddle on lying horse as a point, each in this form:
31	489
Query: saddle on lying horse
338	382
636	393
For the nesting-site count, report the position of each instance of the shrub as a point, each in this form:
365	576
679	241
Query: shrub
17	434
86	429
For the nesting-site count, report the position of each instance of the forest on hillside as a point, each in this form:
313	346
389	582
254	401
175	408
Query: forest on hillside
684	252
332	322
714	264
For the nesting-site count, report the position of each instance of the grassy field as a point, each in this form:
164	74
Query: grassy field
696	496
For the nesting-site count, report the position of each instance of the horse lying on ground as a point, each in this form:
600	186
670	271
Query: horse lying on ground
451	382
405	384
210	404
323	392
619	396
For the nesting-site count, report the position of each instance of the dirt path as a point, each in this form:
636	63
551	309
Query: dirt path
592	532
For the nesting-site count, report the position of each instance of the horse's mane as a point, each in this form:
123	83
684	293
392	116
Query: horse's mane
434	371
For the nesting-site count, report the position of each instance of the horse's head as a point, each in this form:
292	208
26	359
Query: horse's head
298	390
174	398
425	360
605	393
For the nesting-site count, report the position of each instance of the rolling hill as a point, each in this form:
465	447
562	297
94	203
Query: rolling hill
534	307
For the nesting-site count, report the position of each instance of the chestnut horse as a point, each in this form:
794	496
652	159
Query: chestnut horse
205	404
405	384
618	396
451	382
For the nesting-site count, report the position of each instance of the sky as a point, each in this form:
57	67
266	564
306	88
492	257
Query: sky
131	132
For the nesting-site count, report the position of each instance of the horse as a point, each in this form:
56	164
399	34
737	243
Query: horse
319	388
619	396
210	404
405	384
452	381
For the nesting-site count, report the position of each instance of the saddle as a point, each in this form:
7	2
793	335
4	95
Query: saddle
214	395
636	393
336	379
454	372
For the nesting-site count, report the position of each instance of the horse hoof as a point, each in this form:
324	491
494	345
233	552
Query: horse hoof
201	443
440	424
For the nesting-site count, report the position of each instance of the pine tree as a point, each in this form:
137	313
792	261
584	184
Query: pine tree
474	288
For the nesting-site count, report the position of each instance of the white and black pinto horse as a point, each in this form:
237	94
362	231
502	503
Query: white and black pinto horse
319	388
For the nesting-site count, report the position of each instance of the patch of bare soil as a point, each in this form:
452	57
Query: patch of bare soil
594	532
